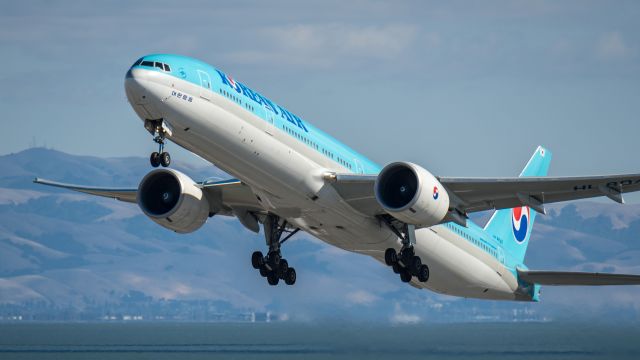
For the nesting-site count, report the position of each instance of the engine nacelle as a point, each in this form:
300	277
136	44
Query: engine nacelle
411	194
173	200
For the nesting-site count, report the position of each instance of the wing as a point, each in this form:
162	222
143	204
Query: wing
577	278
122	194
228	197
479	194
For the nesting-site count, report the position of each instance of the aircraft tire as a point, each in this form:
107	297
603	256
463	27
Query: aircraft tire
390	256
416	263
396	268
257	259
405	276
273	279
283	267
154	159
423	273
165	159
264	272
290	276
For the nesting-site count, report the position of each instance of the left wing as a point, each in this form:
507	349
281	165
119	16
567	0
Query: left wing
478	194
122	194
577	278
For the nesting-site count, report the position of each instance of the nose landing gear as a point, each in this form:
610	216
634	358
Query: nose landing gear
159	157
273	266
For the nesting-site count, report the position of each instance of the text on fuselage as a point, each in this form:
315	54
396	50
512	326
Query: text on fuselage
270	106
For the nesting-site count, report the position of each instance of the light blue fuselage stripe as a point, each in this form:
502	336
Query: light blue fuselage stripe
192	70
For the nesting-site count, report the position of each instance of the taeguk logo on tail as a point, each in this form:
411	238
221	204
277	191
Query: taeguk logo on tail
520	217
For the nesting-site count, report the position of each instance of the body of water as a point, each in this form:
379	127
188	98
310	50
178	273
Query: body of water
315	341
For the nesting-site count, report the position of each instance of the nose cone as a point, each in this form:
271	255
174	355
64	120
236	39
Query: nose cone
134	86
139	93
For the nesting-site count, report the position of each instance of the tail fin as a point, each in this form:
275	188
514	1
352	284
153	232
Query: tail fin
513	226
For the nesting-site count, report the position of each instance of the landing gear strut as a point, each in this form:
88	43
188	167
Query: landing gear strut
159	157
405	263
273	266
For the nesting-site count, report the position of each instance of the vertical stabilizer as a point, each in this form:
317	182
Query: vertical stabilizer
513	226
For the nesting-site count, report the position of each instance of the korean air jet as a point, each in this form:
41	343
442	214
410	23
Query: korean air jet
289	176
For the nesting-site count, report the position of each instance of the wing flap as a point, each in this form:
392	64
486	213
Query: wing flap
577	278
357	191
226	195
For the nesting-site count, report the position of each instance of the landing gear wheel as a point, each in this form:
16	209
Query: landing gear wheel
273	266
396	268
405	276
283	268
263	271
257	259
415	264
154	159
423	273
165	159
290	276
273	279
390	256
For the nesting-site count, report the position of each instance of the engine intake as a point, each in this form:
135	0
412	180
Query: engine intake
411	194
173	200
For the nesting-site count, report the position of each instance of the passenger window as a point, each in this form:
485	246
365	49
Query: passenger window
147	63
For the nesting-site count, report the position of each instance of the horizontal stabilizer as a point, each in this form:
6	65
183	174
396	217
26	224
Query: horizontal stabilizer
577	278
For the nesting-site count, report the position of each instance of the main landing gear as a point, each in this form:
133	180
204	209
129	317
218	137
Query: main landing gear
159	157
273	266
406	263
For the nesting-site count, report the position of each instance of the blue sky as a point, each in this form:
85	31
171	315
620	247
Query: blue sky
462	88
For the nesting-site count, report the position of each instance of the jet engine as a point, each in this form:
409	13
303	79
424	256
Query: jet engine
173	200
411	194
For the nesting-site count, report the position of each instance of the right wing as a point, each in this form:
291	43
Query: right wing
227	197
577	278
122	194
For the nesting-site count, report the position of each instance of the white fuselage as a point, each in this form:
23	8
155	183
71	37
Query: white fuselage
286	177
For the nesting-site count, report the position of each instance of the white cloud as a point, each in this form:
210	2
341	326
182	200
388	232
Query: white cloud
361	297
400	317
612	46
328	44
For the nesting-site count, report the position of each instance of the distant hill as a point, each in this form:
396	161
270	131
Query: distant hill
65	255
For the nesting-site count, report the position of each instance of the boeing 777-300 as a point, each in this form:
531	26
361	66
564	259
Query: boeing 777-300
290	176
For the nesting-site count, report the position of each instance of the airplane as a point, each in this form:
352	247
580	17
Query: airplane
289	176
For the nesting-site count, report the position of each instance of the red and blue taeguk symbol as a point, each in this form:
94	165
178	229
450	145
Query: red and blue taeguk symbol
520	220
435	193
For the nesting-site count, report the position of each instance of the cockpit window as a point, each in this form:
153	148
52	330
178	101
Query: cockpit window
159	65
137	62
